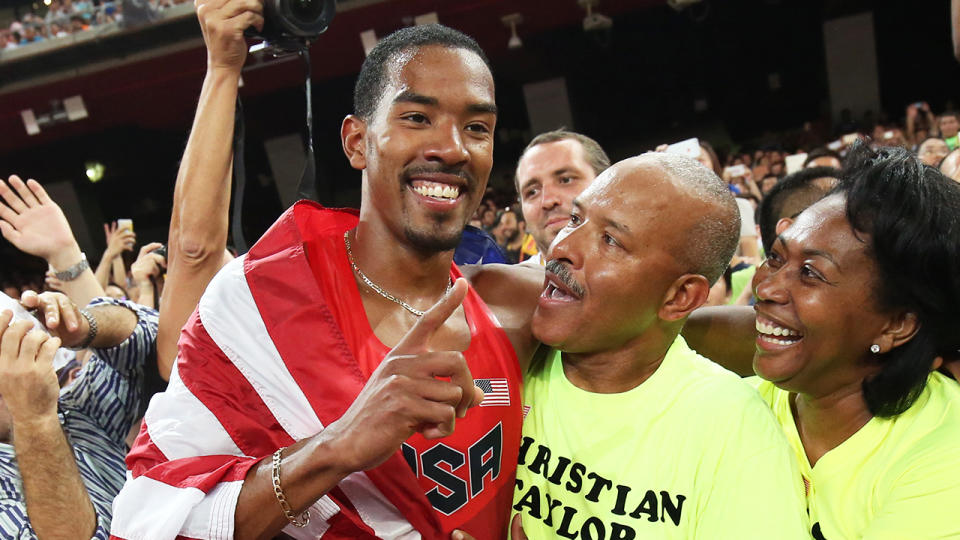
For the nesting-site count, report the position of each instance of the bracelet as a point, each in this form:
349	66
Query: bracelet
74	271
91	334
287	511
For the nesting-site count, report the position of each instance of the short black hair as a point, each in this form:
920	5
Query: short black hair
790	196
373	74
911	213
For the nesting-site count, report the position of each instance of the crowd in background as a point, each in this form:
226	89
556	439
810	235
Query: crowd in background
752	172
61	18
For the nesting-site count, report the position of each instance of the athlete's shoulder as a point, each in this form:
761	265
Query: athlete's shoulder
510	286
511	292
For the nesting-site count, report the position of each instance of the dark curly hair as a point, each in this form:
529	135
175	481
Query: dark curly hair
373	76
911	213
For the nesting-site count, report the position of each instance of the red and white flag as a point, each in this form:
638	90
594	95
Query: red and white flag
496	392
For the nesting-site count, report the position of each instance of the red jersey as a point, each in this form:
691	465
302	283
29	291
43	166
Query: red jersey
279	348
467	477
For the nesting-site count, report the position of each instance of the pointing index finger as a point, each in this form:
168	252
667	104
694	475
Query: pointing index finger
416	339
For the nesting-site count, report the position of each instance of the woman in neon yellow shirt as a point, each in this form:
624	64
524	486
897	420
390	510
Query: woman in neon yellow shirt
856	303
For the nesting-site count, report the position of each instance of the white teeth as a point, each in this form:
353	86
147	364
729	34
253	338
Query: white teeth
437	191
771	330
777	341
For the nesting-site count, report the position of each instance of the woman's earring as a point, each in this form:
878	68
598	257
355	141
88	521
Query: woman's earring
874	348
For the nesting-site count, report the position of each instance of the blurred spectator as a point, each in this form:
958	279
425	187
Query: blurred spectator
146	274
509	230
30	35
920	123
720	291
62	452
77	24
488	217
767	183
932	151
792	195
111	268
115	291
57	31
708	156
949	125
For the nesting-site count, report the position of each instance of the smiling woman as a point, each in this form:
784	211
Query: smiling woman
857	303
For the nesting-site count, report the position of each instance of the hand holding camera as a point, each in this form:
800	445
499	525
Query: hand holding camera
149	264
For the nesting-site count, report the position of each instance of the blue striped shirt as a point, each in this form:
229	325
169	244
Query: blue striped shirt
96	412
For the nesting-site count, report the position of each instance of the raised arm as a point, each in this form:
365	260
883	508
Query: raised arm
201	198
33	223
118	241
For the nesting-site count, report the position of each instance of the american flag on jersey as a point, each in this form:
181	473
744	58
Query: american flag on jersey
496	392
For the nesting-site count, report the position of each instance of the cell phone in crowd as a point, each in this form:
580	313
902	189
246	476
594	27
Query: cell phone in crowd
795	162
689	148
736	171
125	224
849	139
835	146
888	134
161	251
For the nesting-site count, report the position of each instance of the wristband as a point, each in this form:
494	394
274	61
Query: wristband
282	499
74	271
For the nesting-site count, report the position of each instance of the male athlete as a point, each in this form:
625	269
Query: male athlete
629	433
310	361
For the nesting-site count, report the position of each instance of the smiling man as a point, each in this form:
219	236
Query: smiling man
315	390
629	433
554	168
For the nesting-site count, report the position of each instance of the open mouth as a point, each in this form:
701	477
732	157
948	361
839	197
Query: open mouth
435	190
555	289
774	333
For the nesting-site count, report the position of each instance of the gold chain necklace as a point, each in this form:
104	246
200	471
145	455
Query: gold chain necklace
379	290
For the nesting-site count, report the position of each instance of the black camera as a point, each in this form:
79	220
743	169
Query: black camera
294	21
161	251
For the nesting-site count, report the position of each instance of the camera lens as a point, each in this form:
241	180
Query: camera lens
306	10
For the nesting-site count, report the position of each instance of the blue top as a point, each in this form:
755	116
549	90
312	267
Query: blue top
96	412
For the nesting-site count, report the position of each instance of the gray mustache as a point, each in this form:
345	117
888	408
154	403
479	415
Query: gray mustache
560	270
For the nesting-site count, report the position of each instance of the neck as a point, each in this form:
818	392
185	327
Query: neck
827	421
624	368
416	277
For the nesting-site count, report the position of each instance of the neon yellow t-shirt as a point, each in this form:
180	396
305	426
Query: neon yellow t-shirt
693	452
895	478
